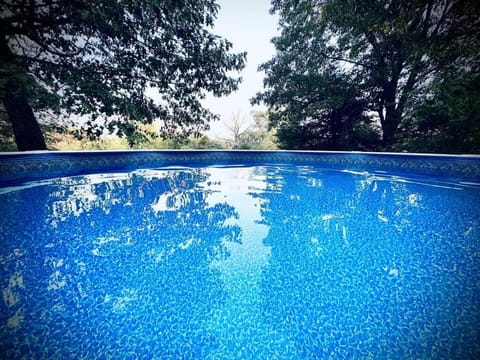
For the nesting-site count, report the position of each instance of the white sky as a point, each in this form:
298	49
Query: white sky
250	27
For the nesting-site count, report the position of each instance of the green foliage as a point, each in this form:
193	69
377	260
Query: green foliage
322	112
449	121
258	140
64	138
343	66
246	136
7	142
264	137
118	63
191	142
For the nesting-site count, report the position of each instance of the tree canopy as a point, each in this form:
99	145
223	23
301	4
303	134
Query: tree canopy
448	121
112	63
347	71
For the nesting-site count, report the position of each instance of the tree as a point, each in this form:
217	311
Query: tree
96	60
448	121
321	111
236	126
384	53
243	134
260	135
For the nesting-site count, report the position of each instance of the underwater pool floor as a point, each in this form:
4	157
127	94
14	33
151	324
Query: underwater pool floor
254	262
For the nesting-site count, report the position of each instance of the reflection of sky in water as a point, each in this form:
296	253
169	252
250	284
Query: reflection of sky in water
241	271
240	262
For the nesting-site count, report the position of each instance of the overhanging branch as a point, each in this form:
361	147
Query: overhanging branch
338	58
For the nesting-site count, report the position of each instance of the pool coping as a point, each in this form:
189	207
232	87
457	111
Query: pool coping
18	167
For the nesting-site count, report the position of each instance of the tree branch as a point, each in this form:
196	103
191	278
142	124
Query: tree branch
447	8
337	58
407	89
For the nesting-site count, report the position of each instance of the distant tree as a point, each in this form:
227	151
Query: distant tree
204	142
259	135
260	119
382	55
243	133
236	126
192	142
96	59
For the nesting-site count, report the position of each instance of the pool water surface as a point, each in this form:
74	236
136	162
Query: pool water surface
240	262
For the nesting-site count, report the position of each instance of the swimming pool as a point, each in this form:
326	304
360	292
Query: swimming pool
242	255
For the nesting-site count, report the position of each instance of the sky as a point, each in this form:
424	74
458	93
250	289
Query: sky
250	27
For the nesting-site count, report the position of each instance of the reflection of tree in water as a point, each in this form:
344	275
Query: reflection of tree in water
353	263
124	259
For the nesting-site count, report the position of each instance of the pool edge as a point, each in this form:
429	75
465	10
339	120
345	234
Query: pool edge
34	165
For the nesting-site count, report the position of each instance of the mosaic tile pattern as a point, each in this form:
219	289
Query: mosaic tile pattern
16	167
257	262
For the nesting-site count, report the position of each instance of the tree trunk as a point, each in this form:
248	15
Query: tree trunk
390	127
25	127
392	115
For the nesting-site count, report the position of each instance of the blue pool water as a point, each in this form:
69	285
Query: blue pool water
247	262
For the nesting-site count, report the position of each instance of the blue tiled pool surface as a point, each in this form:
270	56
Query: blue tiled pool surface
239	255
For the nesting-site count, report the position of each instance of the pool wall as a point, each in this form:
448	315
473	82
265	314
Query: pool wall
18	167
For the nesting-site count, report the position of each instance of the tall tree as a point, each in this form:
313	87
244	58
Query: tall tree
321	111
448	121
98	59
388	50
